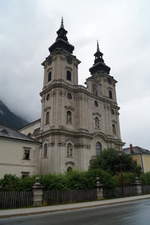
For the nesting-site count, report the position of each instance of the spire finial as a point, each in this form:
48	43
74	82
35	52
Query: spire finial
98	47
62	23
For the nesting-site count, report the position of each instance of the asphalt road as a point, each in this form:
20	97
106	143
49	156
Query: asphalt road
134	213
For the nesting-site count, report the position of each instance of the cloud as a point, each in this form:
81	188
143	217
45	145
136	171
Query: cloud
29	27
135	122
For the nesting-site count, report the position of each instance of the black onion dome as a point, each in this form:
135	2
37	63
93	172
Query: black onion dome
61	41
99	64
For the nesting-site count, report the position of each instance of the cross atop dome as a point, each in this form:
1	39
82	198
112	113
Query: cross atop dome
62	23
98	55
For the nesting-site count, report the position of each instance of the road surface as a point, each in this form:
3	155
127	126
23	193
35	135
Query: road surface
133	213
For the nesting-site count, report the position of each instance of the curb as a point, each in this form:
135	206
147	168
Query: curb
74	206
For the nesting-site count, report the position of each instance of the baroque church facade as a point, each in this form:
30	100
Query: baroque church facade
77	122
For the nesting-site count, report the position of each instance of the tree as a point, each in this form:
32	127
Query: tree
113	162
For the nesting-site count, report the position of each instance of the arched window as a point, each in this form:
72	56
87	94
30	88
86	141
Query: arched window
47	97
69	169
49	76
47	118
97	123
96	103
98	148
69	150
94	87
109	80
110	94
45	151
69	117
69	96
68	75
114	129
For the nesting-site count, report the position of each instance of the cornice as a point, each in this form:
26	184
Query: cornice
76	89
78	134
13	164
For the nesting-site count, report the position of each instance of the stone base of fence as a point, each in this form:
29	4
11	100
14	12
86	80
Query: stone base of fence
138	186
37	189
99	189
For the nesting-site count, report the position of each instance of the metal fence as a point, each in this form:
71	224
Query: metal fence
122	191
146	189
15	199
58	196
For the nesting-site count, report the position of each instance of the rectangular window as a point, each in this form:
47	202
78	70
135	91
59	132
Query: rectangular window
114	129
26	154
25	174
49	76
68	75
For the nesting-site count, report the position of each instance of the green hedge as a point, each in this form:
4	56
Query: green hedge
74	180
125	178
145	178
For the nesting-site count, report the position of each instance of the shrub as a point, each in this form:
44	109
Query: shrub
10	183
53	181
77	180
73	180
145	178
125	178
105	178
111	161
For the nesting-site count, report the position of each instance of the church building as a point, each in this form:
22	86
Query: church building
77	122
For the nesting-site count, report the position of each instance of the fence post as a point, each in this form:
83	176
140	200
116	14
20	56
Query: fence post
138	185
99	189
37	189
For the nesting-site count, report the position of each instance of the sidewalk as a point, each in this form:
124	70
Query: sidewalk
63	207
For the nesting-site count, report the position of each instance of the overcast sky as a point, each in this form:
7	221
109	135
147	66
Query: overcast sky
28	28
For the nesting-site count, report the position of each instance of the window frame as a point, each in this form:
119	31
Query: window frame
98	148
68	117
45	151
114	130
47	118
26	153
69	169
47	97
110	94
69	150
96	103
97	122
49	76
69	95
68	75
25	174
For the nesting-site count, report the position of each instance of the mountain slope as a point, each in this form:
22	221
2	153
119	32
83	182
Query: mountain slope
9	119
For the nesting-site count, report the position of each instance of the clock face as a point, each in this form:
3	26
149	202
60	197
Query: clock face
69	59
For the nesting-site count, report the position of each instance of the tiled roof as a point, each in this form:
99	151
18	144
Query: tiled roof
30	124
10	133
136	150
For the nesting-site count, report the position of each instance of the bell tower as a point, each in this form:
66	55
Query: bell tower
103	86
60	73
58	101
101	83
61	64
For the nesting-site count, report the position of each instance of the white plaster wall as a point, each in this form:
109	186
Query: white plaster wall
11	157
30	128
